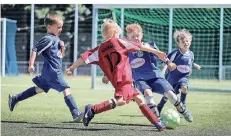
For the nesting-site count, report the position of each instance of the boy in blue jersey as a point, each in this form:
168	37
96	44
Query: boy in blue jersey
182	59
52	50
148	78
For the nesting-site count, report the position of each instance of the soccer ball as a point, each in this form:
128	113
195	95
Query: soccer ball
172	117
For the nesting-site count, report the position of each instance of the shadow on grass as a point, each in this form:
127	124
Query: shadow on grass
73	128
122	124
108	126
19	122
132	116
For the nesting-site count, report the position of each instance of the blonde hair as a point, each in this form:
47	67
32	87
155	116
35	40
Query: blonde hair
52	18
134	28
181	34
109	28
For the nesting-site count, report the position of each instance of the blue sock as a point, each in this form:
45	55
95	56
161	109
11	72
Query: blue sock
162	103
183	97
70	101
26	94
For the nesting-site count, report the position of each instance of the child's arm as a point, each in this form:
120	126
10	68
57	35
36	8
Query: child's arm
70	70
160	54
62	46
198	67
31	62
164	69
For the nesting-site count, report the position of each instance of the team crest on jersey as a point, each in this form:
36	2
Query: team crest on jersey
183	68
140	53
138	62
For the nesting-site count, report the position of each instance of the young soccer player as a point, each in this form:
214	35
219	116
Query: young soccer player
112	57
50	47
148	78
183	59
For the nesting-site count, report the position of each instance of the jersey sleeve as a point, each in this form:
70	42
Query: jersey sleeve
42	44
192	56
153	45
129	45
91	56
172	55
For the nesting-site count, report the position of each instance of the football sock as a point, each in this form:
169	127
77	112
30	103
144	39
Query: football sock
71	104
26	94
148	114
104	106
162	103
183	97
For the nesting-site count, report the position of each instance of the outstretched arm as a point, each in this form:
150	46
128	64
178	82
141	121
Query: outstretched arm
31	62
198	67
70	70
160	54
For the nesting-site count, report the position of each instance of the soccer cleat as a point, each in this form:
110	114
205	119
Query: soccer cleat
188	117
161	125
88	115
12	101
78	117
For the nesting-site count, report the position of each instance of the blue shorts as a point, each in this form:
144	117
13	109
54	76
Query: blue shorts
182	82
59	85
157	85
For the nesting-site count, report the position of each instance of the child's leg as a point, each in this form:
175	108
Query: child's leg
14	99
71	104
161	104
149	99
184	92
148	113
91	110
179	105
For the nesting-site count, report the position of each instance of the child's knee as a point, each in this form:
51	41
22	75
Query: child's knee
139	100
147	92
67	92
184	89
119	101
38	90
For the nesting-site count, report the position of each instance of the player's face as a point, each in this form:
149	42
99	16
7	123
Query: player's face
56	28
184	44
135	36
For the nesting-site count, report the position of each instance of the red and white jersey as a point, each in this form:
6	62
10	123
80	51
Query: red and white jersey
112	58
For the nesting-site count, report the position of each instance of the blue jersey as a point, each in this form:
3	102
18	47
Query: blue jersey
184	65
144	64
48	46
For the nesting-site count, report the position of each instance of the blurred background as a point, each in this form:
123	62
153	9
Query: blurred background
22	26
22	14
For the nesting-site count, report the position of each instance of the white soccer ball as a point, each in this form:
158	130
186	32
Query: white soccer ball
172	117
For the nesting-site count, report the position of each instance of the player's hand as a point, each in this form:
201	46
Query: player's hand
171	66
31	69
68	72
105	80
161	55
59	54
198	67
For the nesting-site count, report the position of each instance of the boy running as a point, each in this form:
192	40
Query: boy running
51	48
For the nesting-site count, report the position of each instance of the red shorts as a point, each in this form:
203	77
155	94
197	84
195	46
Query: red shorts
125	90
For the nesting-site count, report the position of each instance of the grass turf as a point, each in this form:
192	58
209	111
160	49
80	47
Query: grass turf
47	114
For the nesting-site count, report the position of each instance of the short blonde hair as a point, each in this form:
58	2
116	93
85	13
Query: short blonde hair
109	27
181	34
52	18
134	28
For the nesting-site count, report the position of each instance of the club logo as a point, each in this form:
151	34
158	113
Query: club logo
140	53
138	62
183	68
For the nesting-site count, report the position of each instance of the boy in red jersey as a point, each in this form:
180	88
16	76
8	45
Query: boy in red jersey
112	57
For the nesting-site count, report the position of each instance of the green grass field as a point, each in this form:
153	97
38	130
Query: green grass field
47	114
